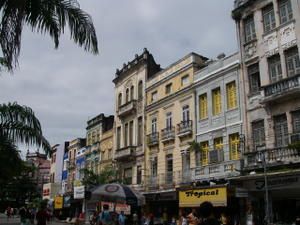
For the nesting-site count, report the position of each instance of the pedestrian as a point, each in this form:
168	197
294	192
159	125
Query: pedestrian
135	218
206	211
184	220
42	216
22	213
8	212
121	218
105	218
193	218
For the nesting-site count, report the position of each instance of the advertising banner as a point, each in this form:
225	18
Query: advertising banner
123	207
194	197
67	201
79	192
58	202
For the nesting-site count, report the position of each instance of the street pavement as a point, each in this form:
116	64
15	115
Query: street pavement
16	221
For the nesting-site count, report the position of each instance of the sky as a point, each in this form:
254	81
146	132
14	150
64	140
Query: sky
68	86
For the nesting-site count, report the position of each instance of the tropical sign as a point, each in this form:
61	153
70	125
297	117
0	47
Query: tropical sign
194	197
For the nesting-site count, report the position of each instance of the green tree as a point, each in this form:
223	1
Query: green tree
46	17
107	175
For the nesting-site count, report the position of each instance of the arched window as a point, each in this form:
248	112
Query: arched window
140	90
127	95
132	92
120	100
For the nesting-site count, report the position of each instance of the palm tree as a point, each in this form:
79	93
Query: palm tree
18	124
43	16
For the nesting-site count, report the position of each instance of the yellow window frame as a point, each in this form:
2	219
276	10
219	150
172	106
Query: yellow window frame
231	95
234	141
204	153
203	106
217	103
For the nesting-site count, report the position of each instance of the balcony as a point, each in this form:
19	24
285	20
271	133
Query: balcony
153	182
273	156
168	134
167	179
126	153
295	138
127	108
187	176
282	89
185	128
71	164
152	139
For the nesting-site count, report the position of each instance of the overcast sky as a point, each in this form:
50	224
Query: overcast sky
66	87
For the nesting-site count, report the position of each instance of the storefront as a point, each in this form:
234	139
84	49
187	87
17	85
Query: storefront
222	198
162	205
284	197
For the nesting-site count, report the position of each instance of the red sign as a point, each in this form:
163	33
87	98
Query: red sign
46	192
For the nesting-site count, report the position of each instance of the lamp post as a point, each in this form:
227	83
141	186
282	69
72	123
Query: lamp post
262	159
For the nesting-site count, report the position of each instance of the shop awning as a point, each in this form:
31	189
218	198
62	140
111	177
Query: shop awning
194	197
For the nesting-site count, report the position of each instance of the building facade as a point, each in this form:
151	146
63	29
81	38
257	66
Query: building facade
106	149
219	116
269	32
170	127
74	146
129	117
94	131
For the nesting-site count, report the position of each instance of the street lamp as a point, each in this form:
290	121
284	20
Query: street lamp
262	159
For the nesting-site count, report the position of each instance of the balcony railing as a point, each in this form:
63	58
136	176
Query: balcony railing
273	156
282	88
153	182
168	134
153	138
295	138
125	153
185	128
187	176
127	108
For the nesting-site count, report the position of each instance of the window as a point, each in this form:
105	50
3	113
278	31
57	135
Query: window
249	29
217	104
292	61
186	161
120	100
185	113
275	71
268	18
154	167
254	78
127	95
140	131
126	135
203	106
109	155
184	80
131	133
217	155
231	95
153	96
281	131
168	89
234	142
285	11
131	92
128	176
296	121
139	174
154	125
258	133
169	169
204	147
169	120
140	90
218	143
118	137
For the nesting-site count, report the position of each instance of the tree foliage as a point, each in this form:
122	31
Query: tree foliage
107	175
18	124
46	17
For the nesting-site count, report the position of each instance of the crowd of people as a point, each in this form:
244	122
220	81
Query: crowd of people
203	216
28	216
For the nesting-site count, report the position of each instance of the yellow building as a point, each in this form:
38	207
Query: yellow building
106	149
170	129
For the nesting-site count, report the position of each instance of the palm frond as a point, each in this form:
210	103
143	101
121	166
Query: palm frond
19	124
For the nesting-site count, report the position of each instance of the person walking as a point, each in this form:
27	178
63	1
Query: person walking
42	216
105	217
22	214
206	212
8	212
121	218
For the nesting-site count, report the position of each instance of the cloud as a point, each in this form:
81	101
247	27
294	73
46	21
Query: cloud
67	86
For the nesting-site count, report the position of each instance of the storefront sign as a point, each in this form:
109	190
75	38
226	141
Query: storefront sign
273	183
58	202
123	207
194	197
79	192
